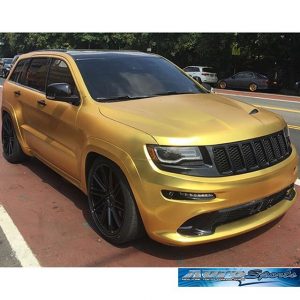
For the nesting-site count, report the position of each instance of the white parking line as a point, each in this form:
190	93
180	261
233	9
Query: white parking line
16	241
297	182
256	97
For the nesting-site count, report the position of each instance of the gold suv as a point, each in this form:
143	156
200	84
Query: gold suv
153	150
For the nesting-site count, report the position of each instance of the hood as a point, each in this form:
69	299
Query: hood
201	119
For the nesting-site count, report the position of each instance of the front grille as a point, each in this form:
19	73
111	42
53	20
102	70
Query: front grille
205	224
251	155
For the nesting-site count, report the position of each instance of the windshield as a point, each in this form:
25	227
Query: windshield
131	76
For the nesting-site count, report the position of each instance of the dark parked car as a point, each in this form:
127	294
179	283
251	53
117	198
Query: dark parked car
5	66
15	59
249	80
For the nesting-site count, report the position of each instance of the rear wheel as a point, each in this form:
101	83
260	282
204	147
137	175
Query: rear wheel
111	203
253	87
12	150
223	85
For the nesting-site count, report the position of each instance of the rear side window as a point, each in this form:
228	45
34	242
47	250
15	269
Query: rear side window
17	71
22	78
243	75
37	74
59	72
191	69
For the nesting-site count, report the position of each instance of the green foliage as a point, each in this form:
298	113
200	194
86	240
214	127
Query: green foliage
262	52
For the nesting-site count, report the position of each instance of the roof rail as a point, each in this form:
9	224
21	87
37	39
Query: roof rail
58	50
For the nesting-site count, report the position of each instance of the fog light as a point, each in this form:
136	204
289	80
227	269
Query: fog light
188	196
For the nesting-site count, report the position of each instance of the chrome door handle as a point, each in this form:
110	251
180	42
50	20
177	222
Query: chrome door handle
41	102
17	93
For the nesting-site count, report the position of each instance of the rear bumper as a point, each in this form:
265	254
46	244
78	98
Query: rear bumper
208	80
163	217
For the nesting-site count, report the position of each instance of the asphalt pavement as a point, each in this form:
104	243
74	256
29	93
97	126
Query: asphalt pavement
52	217
7	254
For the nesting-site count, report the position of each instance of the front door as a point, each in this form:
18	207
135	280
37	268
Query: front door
50	126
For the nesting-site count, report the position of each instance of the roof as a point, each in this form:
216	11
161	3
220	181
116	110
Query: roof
87	53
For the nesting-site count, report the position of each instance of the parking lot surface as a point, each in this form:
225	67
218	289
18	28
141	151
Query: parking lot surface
52	217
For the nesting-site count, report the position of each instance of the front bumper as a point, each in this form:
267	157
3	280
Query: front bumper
162	217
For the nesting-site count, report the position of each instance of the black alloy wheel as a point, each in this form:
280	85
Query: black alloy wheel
12	150
111	203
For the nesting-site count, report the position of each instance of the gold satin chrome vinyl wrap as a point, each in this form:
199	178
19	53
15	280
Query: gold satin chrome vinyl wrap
121	131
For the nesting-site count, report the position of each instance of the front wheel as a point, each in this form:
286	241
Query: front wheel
223	85
197	78
111	203
12	150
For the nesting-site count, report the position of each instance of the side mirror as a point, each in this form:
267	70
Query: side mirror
61	92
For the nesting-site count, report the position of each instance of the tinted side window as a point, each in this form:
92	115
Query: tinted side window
22	78
191	69
17	71
249	75
241	75
37	74
59	73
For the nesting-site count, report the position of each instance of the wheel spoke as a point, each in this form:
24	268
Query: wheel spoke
101	216
97	193
99	182
118	206
115	191
100	205
110	179
109	215
6	126
116	217
10	147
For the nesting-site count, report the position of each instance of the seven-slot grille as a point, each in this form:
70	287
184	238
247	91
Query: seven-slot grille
251	155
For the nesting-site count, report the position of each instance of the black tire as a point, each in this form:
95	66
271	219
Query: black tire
197	78
222	85
12	150
112	204
253	87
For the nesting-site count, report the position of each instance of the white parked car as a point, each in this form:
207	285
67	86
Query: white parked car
202	74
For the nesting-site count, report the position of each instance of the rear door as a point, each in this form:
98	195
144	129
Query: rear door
235	81
240	80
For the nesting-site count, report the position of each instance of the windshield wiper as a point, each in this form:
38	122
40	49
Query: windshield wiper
118	98
173	93
127	97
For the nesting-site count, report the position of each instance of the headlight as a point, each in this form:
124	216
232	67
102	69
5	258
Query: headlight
174	155
188	160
